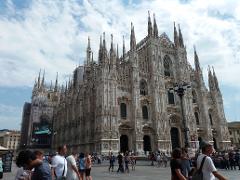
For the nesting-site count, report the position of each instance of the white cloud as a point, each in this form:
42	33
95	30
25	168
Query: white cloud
52	35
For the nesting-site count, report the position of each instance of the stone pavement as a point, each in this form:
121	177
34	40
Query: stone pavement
143	172
148	173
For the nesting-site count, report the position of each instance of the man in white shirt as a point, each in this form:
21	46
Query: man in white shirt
209	170
59	164
72	172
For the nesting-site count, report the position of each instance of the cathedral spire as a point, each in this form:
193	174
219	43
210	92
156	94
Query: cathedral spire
111	49
88	51
51	85
210	79
155	28
104	41
180	37
123	55
39	79
56	84
117	52
196	60
42	83
92	57
100	50
149	25
112	53
215	80
132	38
176	39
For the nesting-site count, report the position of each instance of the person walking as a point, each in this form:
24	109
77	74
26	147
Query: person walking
120	162
82	165
175	164
126	161
88	166
28	161
1	168
43	170
72	170
159	160
208	168
59	164
232	160
164	159
237	159
111	162
133	161
185	163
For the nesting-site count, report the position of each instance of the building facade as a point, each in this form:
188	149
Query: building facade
37	118
10	139
122	103
234	131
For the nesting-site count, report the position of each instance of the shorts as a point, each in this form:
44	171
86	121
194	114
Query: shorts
81	171
88	172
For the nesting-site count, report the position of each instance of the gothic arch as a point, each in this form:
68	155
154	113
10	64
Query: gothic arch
143	88
167	64
194	95
145	114
196	117
123	110
171	98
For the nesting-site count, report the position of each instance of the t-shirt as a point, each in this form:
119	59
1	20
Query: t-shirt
175	164
58	162
1	166
120	159
71	174
208	167
42	172
22	174
82	163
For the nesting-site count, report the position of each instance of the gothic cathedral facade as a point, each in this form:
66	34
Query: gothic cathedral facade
122	103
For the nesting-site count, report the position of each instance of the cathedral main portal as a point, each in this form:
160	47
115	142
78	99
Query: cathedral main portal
124	143
175	138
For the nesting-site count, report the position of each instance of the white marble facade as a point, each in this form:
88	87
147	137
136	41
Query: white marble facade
123	102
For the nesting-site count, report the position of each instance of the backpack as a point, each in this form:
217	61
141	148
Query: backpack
198	175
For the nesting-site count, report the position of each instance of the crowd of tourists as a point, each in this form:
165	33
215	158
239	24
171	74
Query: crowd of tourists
204	165
36	166
124	161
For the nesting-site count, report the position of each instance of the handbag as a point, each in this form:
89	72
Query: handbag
198	175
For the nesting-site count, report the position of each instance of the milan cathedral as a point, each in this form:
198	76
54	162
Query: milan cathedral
123	103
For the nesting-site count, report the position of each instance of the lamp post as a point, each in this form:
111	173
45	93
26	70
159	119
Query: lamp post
180	89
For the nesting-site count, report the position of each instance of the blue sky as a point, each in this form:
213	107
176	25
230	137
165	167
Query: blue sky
52	35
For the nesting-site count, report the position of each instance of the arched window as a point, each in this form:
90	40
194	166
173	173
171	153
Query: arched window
171	98
194	100
143	88
210	118
167	64
123	110
145	112
196	117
